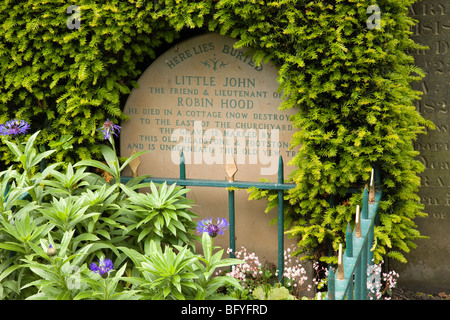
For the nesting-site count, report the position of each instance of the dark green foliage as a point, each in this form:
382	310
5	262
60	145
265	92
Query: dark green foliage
352	87
68	81
350	83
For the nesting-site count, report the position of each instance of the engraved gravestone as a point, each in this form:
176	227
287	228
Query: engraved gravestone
428	265
211	101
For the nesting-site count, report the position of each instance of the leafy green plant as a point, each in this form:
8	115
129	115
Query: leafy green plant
113	165
206	265
162	214
166	273
28	156
181	275
61	206
29	160
20	233
12	191
106	288
69	183
58	276
66	213
49	239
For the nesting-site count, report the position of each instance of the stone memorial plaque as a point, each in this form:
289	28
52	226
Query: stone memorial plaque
211	101
428	265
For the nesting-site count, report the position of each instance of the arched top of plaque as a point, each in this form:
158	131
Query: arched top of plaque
213	102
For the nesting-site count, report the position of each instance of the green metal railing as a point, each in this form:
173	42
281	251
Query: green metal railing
349	281
279	185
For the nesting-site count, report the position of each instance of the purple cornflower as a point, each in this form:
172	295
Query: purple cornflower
14	127
104	266
108	128
206	225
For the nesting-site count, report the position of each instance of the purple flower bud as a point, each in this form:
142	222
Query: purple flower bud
51	251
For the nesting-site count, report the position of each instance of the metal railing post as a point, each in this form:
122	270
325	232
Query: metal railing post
331	284
280	221
358	283
364	272
182	169
349	254
232	223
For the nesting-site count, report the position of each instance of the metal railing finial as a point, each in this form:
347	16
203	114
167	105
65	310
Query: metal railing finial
231	168
340	270
134	164
372	188
357	223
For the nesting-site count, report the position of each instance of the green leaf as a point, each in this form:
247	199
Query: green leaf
278	293
44	272
259	293
30	143
8	271
36	160
84	295
65	241
95	164
13	147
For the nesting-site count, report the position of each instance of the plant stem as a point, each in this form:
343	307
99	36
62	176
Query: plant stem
105	292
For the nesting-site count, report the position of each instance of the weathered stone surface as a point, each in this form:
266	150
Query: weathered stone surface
428	266
210	100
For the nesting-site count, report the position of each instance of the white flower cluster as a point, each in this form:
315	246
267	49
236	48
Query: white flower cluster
252	267
251	271
374	277
320	281
294	273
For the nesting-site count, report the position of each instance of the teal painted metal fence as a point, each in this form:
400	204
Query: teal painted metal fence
349	281
279	185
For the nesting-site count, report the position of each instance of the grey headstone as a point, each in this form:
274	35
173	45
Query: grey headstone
428	266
